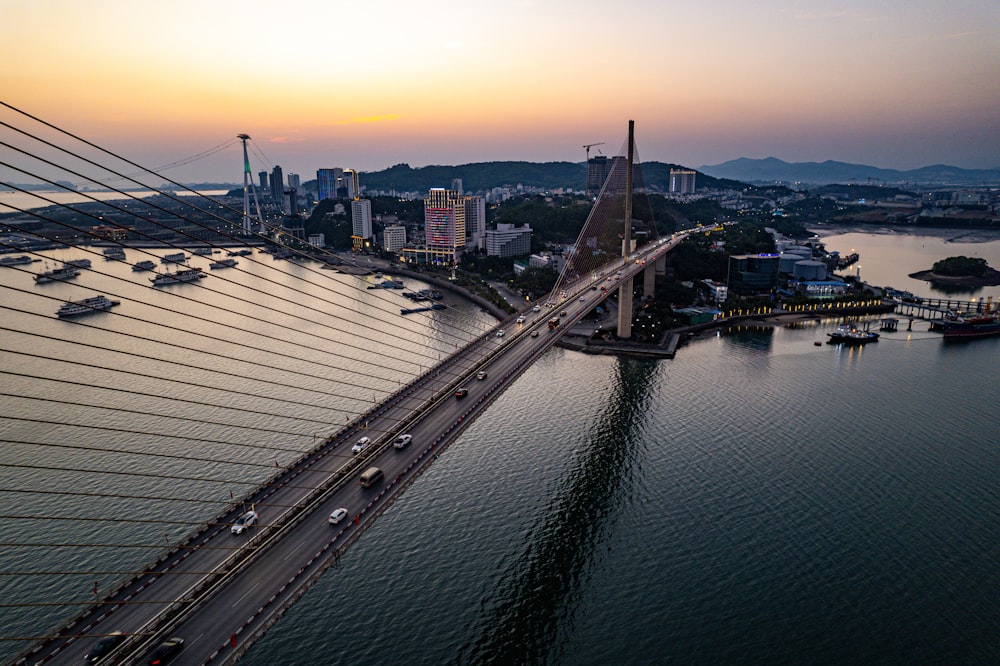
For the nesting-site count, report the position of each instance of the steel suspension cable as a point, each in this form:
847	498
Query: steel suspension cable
116	190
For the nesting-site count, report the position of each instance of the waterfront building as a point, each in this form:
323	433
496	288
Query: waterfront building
752	273
317	240
718	291
444	225
508	241
394	238
475	220
361	218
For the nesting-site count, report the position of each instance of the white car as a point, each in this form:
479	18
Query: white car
362	444
537	308
402	441
337	516
500	333
520	320
244	522
583	299
481	374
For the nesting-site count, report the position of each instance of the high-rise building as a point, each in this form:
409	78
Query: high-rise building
682	181
352	184
326	182
456	185
597	172
475	219
394	238
264	188
277	183
444	224
508	241
293	181
290	201
361	218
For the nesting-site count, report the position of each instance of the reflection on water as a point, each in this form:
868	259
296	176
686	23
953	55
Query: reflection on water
535	599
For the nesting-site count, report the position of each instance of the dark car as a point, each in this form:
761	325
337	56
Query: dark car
461	393
166	651
104	646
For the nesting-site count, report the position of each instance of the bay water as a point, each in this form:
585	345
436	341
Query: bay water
758	499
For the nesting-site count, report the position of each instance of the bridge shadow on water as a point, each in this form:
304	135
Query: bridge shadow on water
536	598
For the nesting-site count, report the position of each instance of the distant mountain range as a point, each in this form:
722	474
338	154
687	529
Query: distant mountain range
772	169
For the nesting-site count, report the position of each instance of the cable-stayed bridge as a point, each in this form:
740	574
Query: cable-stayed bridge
135	437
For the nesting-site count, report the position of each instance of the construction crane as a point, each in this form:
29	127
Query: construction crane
588	146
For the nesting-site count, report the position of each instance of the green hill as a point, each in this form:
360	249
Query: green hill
482	176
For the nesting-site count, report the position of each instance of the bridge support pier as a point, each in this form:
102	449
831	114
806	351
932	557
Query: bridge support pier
625	309
649	280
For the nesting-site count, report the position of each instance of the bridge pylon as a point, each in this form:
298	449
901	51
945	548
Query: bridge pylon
625	290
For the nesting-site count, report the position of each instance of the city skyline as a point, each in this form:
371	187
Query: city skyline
369	85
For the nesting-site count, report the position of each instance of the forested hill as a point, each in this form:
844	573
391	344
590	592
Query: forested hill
487	175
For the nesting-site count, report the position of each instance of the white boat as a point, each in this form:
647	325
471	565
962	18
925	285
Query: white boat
223	263
86	306
143	266
62	273
186	275
175	258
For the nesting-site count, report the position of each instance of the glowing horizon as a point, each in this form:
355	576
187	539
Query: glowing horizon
368	85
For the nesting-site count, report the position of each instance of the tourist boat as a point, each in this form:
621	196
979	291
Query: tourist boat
113	253
143	266
978	325
62	273
223	263
851	335
186	275
16	261
79	263
176	258
86	306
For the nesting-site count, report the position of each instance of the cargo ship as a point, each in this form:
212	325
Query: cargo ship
977	325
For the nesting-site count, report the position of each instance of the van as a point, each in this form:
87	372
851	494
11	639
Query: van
370	477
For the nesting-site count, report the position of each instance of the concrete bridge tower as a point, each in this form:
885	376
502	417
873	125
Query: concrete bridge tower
625	290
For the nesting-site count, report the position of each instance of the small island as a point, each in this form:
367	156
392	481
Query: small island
960	272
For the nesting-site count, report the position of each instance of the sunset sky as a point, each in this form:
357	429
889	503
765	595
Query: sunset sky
370	83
